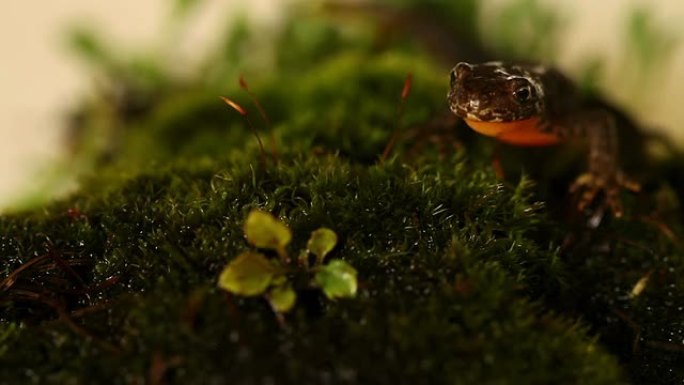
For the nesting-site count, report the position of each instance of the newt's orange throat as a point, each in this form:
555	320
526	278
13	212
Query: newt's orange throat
517	132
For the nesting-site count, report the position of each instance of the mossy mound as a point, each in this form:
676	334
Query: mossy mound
463	278
446	261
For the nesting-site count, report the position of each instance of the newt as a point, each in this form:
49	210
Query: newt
527	104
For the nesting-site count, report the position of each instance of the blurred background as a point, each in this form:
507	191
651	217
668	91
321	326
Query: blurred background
42	80
629	50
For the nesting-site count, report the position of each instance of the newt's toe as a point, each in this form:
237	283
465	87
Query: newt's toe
631	185
592	184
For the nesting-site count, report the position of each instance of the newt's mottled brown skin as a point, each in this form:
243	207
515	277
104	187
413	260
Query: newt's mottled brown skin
534	105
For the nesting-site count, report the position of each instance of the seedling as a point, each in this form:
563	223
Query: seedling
253	273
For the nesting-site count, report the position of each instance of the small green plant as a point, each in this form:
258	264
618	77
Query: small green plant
253	273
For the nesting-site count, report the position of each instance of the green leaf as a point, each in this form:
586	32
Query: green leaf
279	280
321	242
248	274
282	298
337	279
265	231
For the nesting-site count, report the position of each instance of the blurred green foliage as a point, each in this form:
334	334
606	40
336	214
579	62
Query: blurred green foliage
648	43
525	30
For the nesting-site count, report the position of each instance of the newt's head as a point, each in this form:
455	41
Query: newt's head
502	101
494	92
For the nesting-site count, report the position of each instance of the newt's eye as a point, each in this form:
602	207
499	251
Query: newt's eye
522	94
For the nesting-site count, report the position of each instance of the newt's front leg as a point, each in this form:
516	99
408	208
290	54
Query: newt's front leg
604	174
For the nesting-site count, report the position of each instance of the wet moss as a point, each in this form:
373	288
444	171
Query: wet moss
445	259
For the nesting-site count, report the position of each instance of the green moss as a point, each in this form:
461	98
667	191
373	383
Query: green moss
443	252
462	278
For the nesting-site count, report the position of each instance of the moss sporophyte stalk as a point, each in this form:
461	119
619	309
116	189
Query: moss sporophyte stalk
253	273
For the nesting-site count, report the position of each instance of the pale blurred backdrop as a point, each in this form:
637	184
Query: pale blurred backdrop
40	80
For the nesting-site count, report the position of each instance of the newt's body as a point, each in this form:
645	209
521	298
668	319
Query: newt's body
533	105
